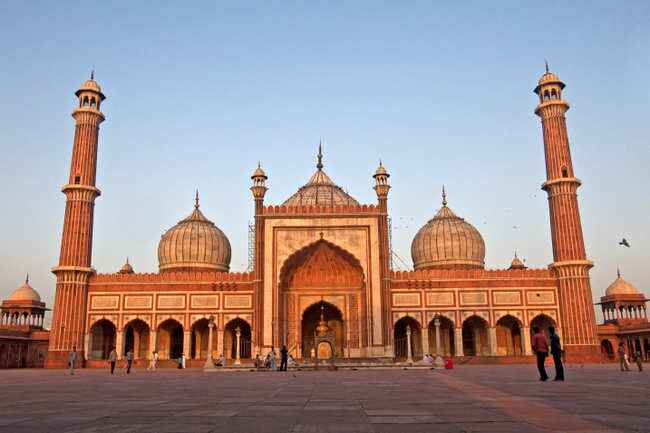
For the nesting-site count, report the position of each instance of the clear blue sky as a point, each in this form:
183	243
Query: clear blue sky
442	93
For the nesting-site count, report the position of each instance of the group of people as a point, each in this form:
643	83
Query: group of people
624	360
270	361
541	348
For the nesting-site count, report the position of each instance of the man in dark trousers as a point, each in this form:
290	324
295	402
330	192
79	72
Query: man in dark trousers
540	347
129	361
556	351
284	354
112	359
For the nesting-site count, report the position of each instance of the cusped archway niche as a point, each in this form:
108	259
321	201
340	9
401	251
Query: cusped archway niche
321	264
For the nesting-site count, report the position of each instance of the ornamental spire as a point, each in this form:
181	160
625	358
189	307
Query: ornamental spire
196	199
618	272
319	165
546	64
444	196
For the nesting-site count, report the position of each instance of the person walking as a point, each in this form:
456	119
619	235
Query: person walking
540	347
153	363
556	352
72	357
129	361
112	359
638	360
621	357
284	357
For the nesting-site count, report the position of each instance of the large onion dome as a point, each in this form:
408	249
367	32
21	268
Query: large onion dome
25	293
447	242
621	287
194	244
320	190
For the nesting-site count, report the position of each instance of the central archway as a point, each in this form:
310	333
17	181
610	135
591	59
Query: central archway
322	331
102	339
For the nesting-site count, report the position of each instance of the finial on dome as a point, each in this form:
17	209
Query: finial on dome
92	74
319	165
444	196
27	278
618	272
546	65
196	199
516	254
127	261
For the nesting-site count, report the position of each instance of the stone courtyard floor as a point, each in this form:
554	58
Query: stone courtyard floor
497	399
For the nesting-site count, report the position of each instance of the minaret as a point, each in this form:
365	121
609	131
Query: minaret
74	267
570	264
259	190
382	188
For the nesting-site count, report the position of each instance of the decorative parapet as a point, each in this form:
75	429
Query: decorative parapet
311	209
175	277
471	274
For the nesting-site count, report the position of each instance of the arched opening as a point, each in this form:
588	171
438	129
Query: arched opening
553	94
543	322
136	338
230	339
607	349
92	103
322	331
565	172
102	339
475	337
509	337
200	337
446	337
546	95
401	338
86	103
170	339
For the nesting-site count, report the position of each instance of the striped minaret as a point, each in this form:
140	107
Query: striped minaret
570	264
74	267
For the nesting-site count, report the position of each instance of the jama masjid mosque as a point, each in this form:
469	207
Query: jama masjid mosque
321	281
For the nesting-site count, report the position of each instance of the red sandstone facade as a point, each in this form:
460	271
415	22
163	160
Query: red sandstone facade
322	281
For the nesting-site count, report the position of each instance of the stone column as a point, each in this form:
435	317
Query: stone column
220	341
425	341
119	344
187	338
153	342
209	363
492	341
409	352
439	363
525	337
237	346
87	345
458	342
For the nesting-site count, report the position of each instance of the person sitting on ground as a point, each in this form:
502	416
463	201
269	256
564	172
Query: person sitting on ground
292	362
258	361
428	358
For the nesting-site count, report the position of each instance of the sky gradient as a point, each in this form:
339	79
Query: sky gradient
442	93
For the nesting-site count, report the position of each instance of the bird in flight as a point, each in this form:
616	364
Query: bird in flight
624	242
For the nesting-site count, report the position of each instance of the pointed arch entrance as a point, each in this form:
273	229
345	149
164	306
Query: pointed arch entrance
322	332
322	274
402	327
170	339
136	338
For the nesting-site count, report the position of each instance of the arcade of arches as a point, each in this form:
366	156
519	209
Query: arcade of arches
474	338
169	340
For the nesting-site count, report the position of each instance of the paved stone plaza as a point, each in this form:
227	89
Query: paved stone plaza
497	399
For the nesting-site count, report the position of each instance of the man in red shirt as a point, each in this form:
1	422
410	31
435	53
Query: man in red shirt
540	347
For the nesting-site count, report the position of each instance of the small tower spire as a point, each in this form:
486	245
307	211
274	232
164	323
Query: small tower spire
196	199
546	65
92	74
319	165
444	196
618	272
27	278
